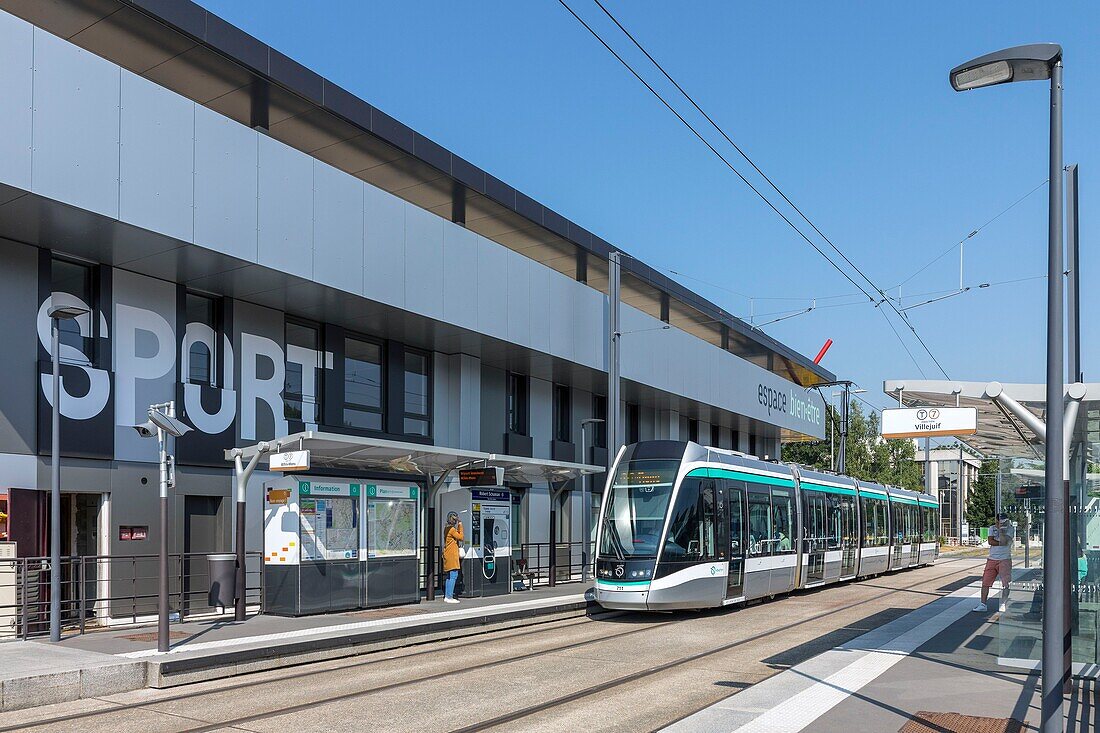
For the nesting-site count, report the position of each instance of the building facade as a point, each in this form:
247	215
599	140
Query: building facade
274	254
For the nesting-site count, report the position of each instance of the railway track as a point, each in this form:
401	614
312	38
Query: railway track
101	717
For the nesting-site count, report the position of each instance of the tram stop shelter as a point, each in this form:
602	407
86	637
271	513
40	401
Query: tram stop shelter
1012	429
394	484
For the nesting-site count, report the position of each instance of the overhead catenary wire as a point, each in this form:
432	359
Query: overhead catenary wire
882	298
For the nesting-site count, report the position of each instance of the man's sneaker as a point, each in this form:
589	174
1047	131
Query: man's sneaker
1004	607
455	600
980	608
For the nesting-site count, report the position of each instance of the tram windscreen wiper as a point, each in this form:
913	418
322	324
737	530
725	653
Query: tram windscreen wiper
613	537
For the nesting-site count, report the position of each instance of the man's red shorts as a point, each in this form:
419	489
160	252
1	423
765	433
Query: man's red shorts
994	568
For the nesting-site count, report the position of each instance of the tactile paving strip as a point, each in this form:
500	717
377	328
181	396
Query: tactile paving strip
928	722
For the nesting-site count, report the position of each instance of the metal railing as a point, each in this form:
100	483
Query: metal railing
97	590
531	563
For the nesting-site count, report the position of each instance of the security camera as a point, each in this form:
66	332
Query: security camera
147	429
170	425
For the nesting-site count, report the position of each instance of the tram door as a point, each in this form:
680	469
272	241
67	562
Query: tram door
815	512
849	536
735	500
897	533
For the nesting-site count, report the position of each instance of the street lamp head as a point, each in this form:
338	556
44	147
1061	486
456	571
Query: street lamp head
146	429
170	425
1019	63
64	306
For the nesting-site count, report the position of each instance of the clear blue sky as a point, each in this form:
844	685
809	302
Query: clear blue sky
845	105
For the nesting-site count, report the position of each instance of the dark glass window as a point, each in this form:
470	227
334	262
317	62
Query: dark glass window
363	379
782	527
73	278
417	419
693	431
200	359
633	424
300	400
599	411
752	444
562	414
693	523
760	524
715	436
517	404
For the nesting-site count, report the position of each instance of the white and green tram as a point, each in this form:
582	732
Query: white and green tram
686	526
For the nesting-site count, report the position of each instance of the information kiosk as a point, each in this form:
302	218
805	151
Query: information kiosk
334	545
486	516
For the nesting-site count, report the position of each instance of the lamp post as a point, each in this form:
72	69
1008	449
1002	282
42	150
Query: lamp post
585	500
163	423
58	311
1035	63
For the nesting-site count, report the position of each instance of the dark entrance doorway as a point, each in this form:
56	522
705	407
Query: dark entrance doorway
202	531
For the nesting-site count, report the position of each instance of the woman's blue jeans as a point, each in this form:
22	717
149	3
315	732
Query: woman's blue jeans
452	578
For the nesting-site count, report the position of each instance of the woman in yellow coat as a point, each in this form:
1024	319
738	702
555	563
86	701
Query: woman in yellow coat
452	539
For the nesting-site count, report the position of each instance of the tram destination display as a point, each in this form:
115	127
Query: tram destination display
491	476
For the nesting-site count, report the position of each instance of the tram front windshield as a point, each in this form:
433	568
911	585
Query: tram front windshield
636	506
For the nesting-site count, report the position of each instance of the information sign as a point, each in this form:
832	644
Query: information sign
491	476
926	422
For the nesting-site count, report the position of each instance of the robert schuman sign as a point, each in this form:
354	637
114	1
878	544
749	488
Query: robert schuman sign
926	422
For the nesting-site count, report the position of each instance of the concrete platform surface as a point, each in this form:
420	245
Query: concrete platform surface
38	672
939	658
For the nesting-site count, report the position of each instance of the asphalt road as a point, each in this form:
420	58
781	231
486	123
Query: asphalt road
611	672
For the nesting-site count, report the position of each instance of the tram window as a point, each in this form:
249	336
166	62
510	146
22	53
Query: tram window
760	525
782	529
832	517
876	531
735	496
692	526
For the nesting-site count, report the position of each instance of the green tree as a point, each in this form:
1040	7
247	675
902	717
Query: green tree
981	506
869	457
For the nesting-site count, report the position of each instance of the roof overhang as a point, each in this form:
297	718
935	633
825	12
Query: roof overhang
356	453
1000	434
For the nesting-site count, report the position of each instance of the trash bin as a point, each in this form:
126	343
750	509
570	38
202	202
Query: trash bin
223	580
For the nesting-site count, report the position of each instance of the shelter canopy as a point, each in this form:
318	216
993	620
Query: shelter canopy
1000	434
352	452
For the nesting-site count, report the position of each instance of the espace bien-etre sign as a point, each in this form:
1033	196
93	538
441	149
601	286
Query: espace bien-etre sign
788	402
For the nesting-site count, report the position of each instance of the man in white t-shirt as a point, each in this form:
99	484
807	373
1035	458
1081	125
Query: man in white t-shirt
1001	538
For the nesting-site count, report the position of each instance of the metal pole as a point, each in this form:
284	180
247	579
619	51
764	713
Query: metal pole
55	489
162	594
584	507
832	455
998	506
1054	571
962	492
613	358
1073	305
842	460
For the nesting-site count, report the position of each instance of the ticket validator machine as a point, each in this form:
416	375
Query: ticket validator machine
486	516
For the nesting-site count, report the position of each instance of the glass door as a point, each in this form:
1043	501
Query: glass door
849	536
735	500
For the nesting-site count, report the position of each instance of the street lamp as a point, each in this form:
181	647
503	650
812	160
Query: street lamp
1031	63
162	423
842	462
62	308
585	502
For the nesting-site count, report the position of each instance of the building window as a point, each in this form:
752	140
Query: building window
736	438
200	358
301	398
599	411
563	425
752	444
633	423
517	404
417	389
363	380
715	436
693	431
74	278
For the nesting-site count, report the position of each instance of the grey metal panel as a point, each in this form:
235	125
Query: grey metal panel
383	247
757	584
460	276
258	407
541	421
541	314
492	289
285	199
145	363
157	182
647	419
589	316
16	81
518	287
696	593
75	125
423	262
225	185
492	410
561	316
19	304
337	228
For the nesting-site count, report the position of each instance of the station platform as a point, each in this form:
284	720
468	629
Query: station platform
934	669
37	672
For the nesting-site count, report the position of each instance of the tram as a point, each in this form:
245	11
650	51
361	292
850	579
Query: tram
686	526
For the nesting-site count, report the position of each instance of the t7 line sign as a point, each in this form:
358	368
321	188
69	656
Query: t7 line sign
928	422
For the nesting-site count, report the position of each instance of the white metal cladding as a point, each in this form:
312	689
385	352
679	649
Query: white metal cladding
260	201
